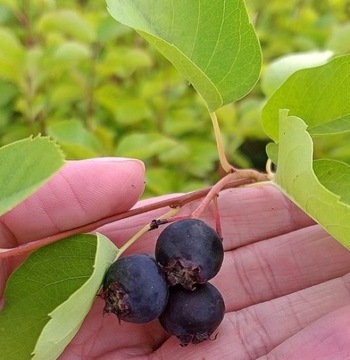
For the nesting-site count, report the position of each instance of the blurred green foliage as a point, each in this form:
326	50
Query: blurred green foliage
67	69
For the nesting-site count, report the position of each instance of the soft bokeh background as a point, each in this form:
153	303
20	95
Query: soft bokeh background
68	70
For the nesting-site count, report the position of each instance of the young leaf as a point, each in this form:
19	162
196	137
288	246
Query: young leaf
318	95
296	177
211	42
25	166
49	295
279	70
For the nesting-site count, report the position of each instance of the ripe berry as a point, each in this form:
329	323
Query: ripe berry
190	252
192	316
135	289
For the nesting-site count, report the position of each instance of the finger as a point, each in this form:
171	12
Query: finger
257	330
326	338
247	215
272	268
256	213
81	192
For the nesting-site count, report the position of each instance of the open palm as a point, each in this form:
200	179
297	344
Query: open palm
285	281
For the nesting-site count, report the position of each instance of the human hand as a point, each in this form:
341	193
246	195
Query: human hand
284	279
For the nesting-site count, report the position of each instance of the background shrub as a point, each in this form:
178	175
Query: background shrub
68	70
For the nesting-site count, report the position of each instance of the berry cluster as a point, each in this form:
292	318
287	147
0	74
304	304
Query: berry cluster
174	285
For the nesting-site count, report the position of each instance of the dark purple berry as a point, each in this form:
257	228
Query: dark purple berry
135	289
190	252
192	316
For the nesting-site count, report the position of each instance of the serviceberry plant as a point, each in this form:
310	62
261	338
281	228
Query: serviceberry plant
307	100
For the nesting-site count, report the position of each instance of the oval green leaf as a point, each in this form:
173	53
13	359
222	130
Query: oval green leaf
49	295
279	70
68	22
211	42
12	55
25	166
318	95
334	175
296	177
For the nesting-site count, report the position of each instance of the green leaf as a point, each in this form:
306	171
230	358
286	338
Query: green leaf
272	152
67	22
279	70
339	39
74	138
144	146
108	31
211	42
334	175
11	56
296	177
336	126
161	180
317	95
49	295
203	157
71	53
124	62
130	111
25	166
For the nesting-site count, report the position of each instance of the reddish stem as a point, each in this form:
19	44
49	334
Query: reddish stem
178	201
217	217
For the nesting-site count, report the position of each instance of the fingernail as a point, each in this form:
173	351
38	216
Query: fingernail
116	159
113	159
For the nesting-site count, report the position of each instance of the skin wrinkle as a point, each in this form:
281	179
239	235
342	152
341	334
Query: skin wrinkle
294	256
328	338
265	340
326	265
240	335
84	213
302	309
126	183
287	217
239	269
267	272
261	334
38	212
300	275
7	238
294	313
54	224
244	273
251	319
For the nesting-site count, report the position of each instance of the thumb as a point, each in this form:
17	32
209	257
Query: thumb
81	192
